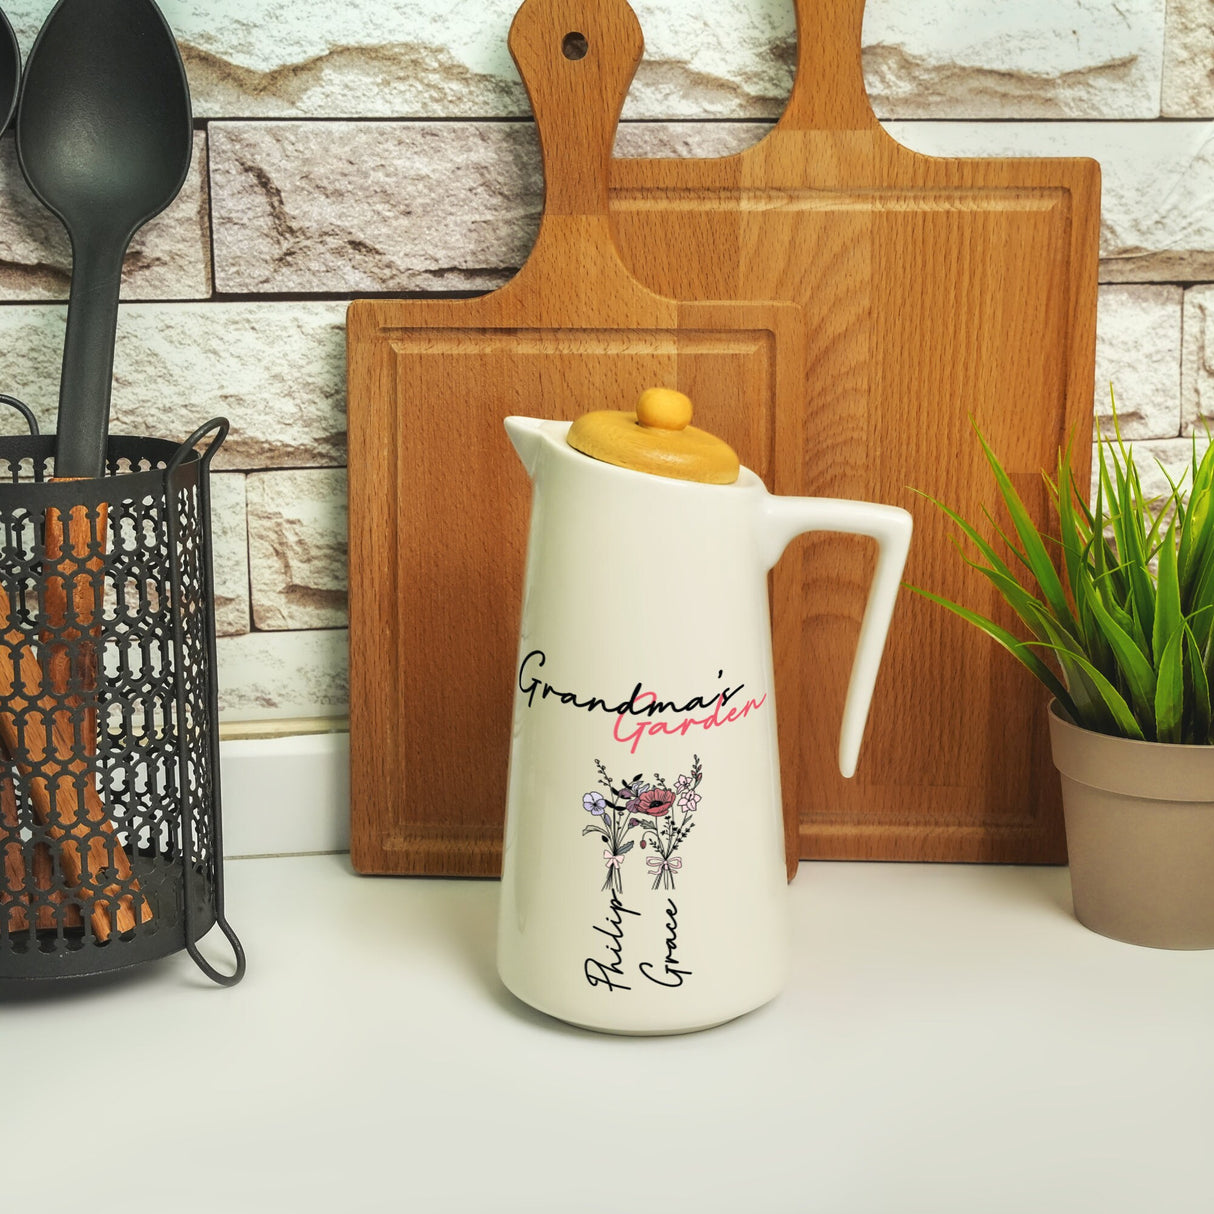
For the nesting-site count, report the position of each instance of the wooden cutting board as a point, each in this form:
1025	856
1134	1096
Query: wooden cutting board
438	499
933	290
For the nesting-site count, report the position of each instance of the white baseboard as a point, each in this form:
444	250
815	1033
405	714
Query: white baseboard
283	795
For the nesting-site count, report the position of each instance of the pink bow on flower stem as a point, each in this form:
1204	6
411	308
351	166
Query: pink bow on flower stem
662	864
612	861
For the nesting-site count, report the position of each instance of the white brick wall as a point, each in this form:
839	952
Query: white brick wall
382	146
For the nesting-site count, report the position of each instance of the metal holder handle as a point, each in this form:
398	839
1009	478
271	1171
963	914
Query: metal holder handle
26	412
219	427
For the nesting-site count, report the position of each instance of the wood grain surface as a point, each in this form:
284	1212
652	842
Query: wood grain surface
934	291
927	293
438	499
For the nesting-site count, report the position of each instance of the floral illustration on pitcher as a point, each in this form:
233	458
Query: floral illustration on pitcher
663	814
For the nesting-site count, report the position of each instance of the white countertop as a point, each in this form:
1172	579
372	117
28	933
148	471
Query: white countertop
951	1040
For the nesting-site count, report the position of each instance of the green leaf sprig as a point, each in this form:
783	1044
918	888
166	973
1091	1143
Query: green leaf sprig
1123	637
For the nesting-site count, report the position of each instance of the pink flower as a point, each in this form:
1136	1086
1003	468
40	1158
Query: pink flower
656	802
688	801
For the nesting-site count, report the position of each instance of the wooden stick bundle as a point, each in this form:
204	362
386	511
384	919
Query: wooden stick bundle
15	895
41	732
73	557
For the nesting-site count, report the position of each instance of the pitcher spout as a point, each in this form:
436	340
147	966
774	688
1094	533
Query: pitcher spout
524	433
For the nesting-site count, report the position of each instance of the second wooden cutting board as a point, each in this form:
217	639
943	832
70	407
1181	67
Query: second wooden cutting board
438	501
933	291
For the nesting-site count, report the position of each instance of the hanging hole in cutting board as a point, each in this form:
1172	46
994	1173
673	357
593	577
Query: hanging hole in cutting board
574	46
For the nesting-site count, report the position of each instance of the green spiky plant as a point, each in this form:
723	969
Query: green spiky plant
1124	637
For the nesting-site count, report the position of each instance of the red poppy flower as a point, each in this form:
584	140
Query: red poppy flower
656	802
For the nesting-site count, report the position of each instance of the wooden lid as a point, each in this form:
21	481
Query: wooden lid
658	438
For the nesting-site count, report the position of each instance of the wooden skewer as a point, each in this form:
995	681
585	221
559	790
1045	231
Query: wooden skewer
13	912
42	738
68	575
16	917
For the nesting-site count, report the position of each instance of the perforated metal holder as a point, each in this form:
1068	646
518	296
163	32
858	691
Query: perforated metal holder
110	822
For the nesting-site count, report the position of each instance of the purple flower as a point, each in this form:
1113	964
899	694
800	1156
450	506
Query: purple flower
593	803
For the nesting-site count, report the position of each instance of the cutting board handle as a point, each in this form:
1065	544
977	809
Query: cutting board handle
577	59
828	92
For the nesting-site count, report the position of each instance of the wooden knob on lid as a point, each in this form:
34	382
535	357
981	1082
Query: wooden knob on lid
664	409
658	438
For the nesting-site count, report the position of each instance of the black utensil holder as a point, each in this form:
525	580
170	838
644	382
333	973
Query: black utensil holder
110	833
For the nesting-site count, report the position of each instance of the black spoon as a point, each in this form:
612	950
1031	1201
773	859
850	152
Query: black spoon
104	137
10	72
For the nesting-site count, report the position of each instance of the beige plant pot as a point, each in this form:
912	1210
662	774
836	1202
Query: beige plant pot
1140	835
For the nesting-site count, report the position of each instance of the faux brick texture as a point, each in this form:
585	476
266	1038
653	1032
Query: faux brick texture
297	548
169	257
284	674
728	59
1197	376
1188	61
276	371
383	146
1138	337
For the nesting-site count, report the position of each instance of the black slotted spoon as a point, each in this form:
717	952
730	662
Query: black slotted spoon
104	138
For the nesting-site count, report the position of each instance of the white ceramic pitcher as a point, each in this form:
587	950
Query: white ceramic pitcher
643	882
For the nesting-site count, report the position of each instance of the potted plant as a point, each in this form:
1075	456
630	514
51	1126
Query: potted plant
1118	612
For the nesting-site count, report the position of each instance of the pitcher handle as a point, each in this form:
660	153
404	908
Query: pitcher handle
784	518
